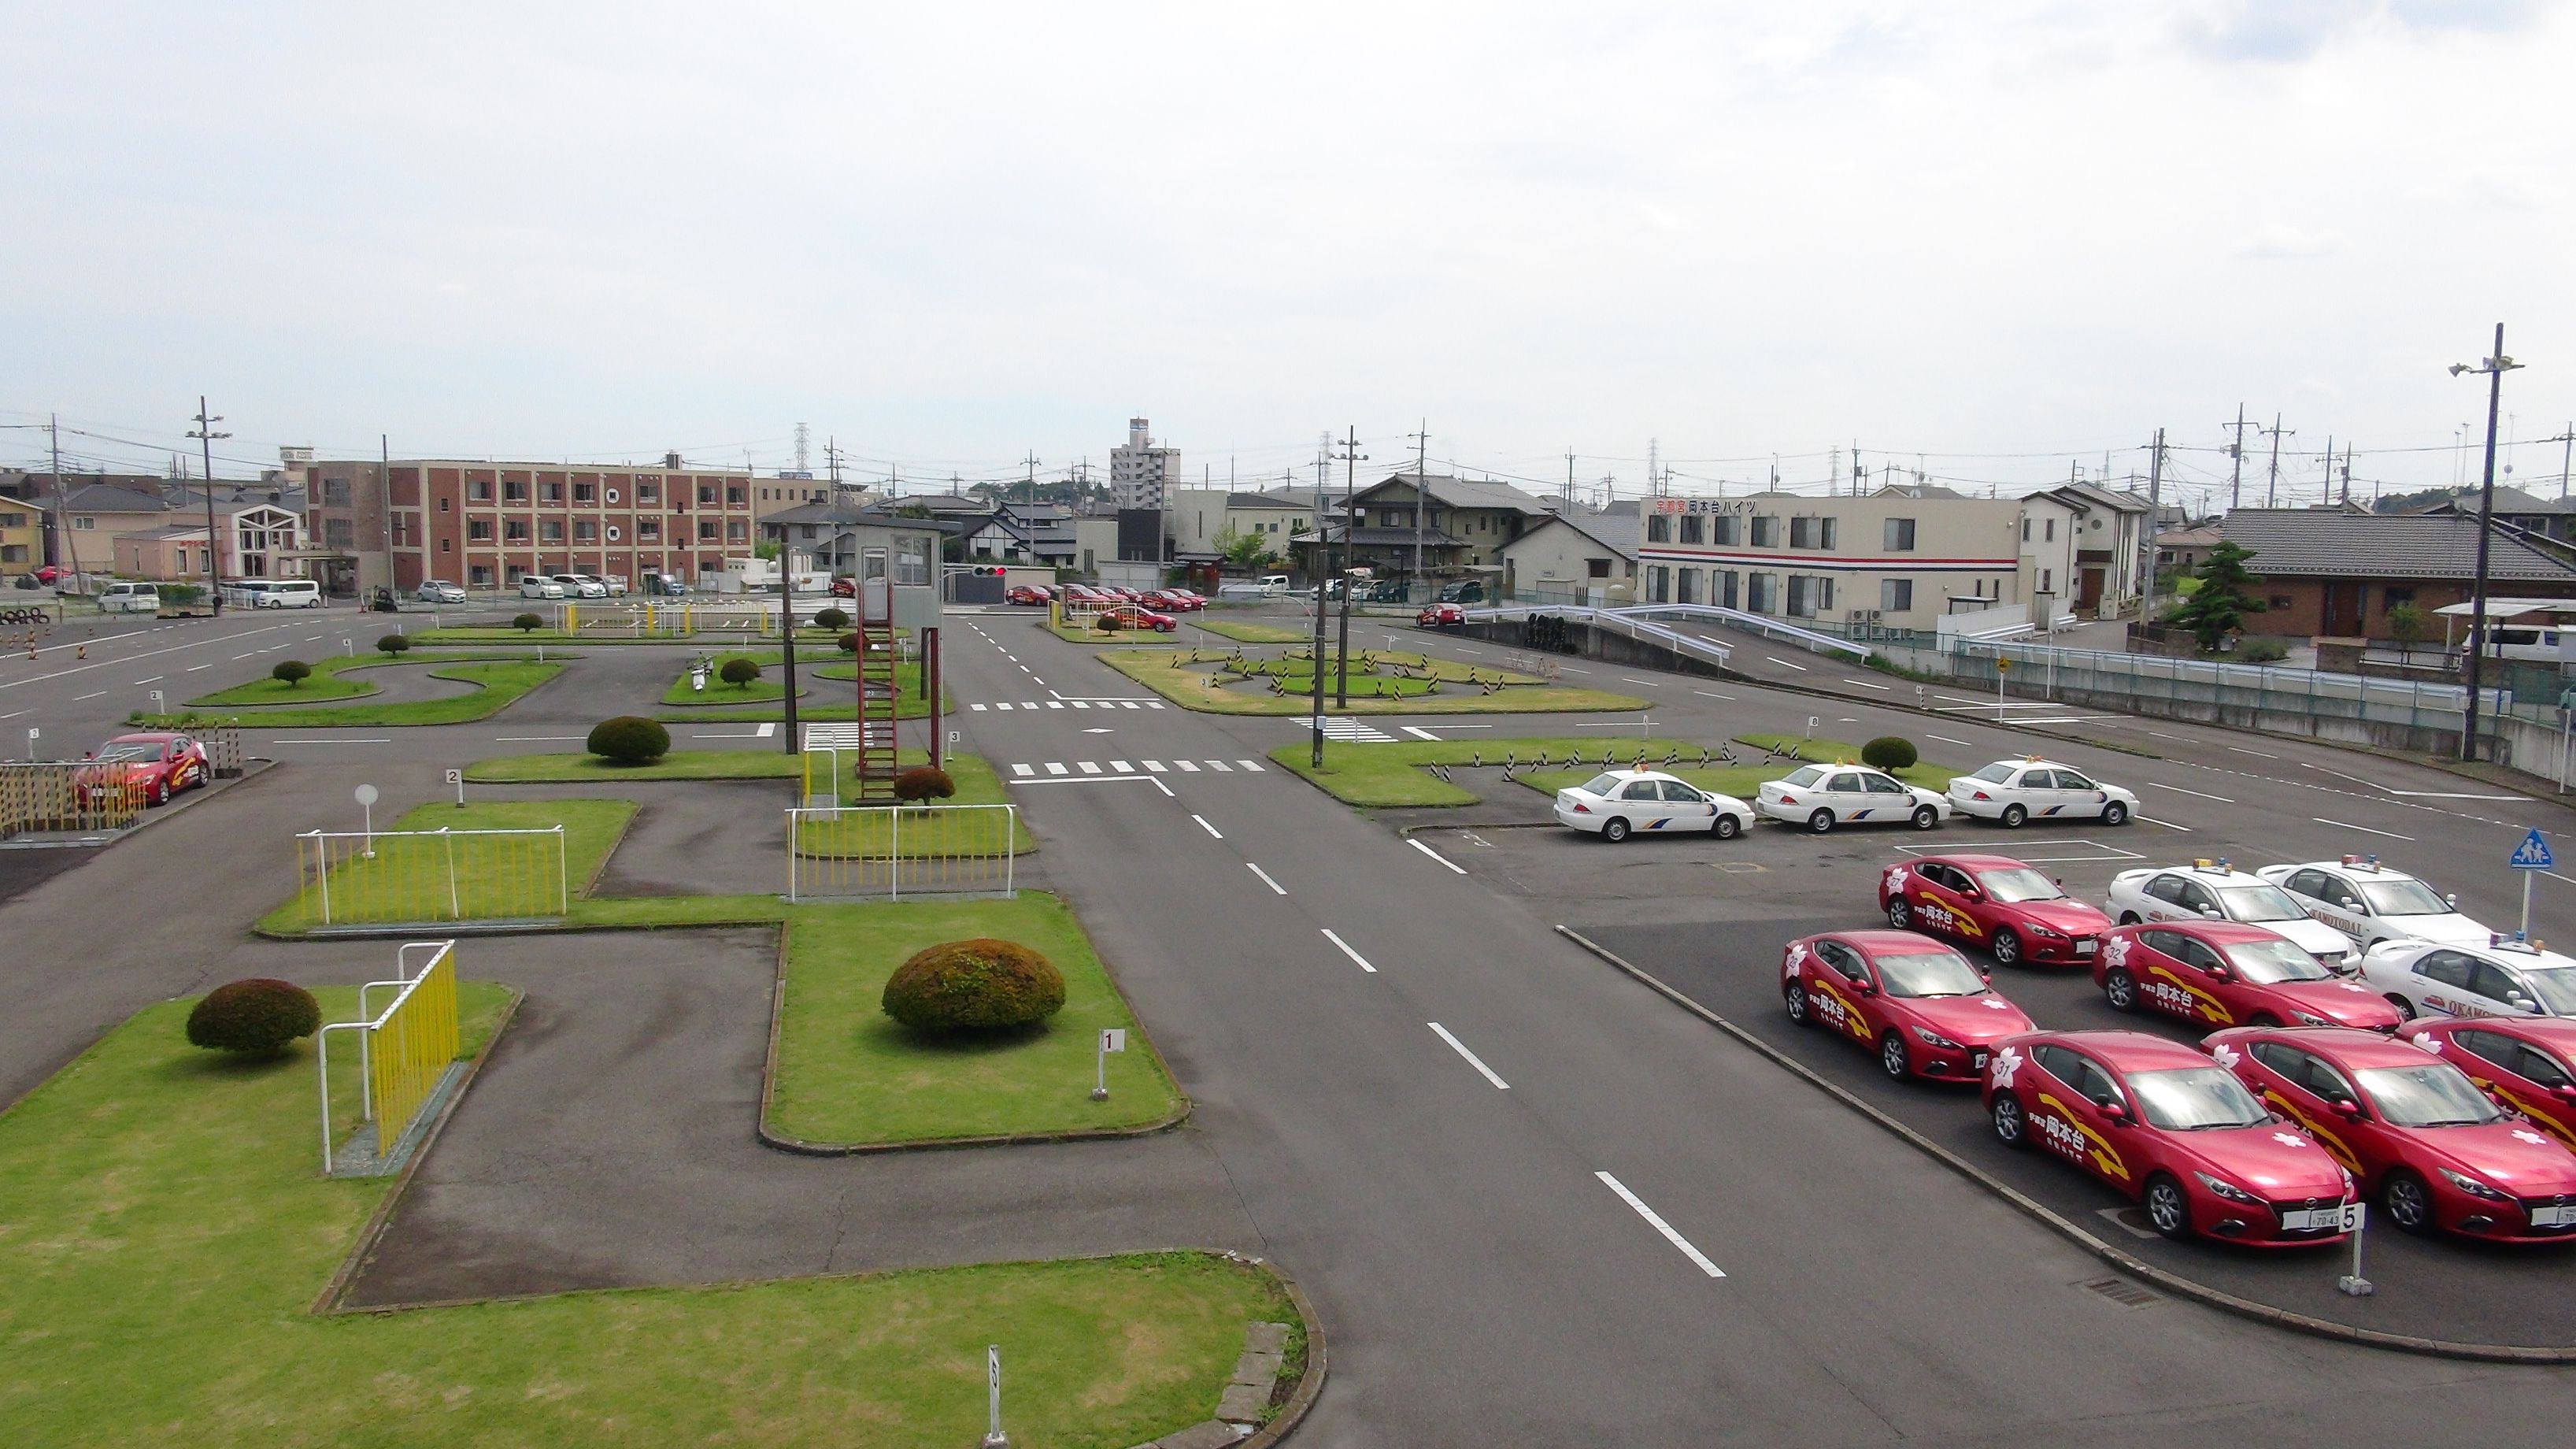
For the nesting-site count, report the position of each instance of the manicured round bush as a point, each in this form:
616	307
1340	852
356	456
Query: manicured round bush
527	623
831	619
256	1017
290	672
849	643
629	740
1888	752
394	643
977	985
739	672
924	782
1106	623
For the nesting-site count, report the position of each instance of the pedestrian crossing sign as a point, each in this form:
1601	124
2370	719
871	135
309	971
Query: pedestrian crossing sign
2532	854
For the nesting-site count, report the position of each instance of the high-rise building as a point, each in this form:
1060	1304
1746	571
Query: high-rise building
1139	472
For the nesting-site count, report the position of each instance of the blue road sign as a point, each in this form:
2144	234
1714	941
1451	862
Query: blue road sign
2532	854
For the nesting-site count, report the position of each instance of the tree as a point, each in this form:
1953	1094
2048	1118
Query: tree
766	548
1243	550
739	672
527	623
290	672
629	740
2219	608
394	643
831	619
915	510
2406	626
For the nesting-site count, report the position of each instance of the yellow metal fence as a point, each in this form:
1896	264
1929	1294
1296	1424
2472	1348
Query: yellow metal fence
403	1050
889	850
399	877
43	796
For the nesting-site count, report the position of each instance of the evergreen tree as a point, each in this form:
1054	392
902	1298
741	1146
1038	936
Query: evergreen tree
2219	608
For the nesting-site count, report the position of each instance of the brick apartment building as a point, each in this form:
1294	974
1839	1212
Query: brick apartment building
485	525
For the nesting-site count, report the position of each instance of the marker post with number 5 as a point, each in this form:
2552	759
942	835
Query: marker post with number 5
2355	1215
1112	1039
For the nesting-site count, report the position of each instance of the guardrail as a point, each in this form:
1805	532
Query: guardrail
1623	621
2194	681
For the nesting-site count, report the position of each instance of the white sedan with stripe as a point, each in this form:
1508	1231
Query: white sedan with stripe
2016	791
1618	803
1820	797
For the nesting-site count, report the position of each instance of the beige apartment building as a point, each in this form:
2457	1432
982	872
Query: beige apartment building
1891	559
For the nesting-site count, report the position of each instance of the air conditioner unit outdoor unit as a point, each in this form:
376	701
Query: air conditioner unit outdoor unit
1864	616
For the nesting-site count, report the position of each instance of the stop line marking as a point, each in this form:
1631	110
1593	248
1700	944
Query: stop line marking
2364	829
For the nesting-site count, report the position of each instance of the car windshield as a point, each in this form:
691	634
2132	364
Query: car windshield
2403	898
1806	777
1995	774
1932	973
2556	988
2268	963
2195	1099
2012	887
2432	1095
1600	785
2259	903
128	754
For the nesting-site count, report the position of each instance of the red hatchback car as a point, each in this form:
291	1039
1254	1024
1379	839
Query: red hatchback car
1927	1011
1995	902
2526	1062
2225	973
163	764
2416	1132
1441	616
2171	1130
1026	594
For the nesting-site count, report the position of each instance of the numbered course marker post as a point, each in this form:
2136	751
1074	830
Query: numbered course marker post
457	779
1112	1039
994	1438
2529	859
2354	1216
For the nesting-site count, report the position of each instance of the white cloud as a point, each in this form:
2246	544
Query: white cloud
2279	241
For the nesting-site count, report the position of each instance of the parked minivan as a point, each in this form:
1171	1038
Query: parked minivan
288	594
129	598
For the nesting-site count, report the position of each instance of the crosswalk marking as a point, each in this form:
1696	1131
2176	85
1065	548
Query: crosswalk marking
1125	767
998	706
1131	704
1082	704
1154	765
1221	767
1356	731
1055	769
1187	767
979	707
1088	767
1153	704
1022	770
1249	765
1120	766
1055	704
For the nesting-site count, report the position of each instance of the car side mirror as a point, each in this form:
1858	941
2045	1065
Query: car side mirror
2564	1091
1864	988
2209	913
2347	1109
1972	893
2115	1114
2450	900
2221	973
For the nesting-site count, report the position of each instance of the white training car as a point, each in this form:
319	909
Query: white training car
1615	804
2506	978
2015	791
1820	797
581	586
2371	903
2213	890
538	586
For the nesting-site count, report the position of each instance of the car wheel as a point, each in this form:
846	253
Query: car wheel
1899	914
2115	813
2121	990
2128	918
1925	817
1614	830
2014	817
1821	821
2266	1020
1796	1000
1727	827
1891	1056
2407	1201
161	791
2007	947
2405	1008
2011	1128
2167	1210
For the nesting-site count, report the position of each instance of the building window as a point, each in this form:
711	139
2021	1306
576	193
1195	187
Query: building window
735	494
447	545
644	493
2280	601
1812	532
2025	528
335	492
1598	568
340	533
612	533
1802	594
1729	531
1659	528
478	530
479	575
585	531
479	490
1900	535
2395	596
514	531
1658	584
707	532
83	523
648	530
442	505
1895	596
1761	593
736	531
1766	531
514	490
585	492
1690	587
550	531
550	492
2051	525
1694	530
707	494
1721	588
2044	581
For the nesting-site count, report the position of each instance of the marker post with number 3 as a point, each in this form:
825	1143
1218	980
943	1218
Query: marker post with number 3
1112	1039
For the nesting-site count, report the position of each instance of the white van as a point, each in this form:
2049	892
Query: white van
129	598
288	594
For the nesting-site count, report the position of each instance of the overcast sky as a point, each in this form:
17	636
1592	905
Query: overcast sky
2004	236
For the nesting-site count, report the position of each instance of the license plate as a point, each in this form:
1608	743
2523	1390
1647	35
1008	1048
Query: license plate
2329	1217
2553	1217
1977	1060
2086	948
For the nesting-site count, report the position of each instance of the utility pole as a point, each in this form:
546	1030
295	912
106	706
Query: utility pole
1319	557
1421	450
2236	453
205	435
1352	457
66	536
1032	461
2272	485
1569	474
2330	491
2566	454
2495	368
2155	519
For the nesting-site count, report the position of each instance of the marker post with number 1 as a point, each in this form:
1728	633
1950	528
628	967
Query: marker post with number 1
1112	1039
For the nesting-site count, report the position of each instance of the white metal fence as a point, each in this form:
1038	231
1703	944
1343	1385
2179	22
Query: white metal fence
2047	669
889	850
401	877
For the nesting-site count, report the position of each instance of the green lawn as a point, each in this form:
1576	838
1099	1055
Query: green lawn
501	685
821	638
1250	633
1835	752
1382	775
924	833
423	877
846	1073
1199	689
330	679
164	1230
772	683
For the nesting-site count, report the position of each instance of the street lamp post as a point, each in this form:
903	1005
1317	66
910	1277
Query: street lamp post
2494	367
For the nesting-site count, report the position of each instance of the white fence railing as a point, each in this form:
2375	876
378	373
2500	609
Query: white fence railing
887	850
2047	669
401	877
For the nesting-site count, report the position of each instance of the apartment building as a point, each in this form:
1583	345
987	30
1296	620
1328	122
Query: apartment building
1890	559
22	536
1141	472
486	525
1200	519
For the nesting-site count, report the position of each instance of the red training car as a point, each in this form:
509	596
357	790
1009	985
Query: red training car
1928	1012
1441	616
1026	594
2225	973
1996	902
163	764
2416	1132
2170	1129
1136	616
2526	1062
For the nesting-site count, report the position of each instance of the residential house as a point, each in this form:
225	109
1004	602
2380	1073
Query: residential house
2336	572
1460	527
1574	556
2186	549
1891	559
22	536
2549	519
2081	547
1200	521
